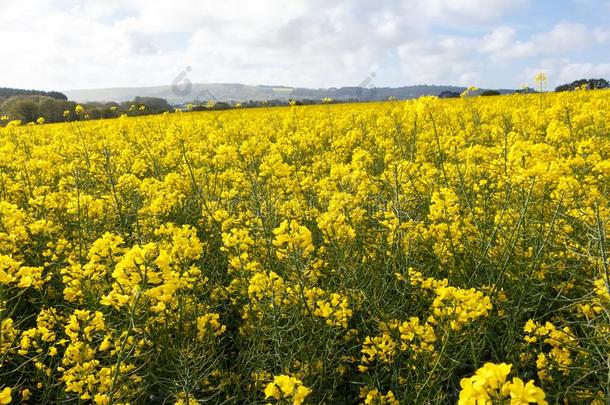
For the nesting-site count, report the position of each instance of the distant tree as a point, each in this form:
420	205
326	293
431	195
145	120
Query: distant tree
57	95
96	110
23	109
590	84
448	94
222	106
200	107
10	92
490	93
525	90
30	108
154	105
52	110
563	87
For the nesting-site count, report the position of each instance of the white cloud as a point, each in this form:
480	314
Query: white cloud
84	44
574	71
561	39
499	39
565	70
301	42
438	60
477	10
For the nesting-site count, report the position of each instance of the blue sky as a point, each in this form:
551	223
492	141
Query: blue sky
68	44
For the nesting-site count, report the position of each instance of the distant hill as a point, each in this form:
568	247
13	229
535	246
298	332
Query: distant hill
241	93
6	92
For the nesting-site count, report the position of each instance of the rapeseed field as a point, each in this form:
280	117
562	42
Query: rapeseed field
419	252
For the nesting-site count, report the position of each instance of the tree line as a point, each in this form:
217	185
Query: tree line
52	106
587	84
32	108
6	92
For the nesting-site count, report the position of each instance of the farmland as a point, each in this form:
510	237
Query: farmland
425	251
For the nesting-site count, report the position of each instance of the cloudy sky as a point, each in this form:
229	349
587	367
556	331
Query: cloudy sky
71	44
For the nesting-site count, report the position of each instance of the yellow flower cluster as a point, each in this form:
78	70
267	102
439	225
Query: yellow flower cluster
562	346
103	254
600	301
35	339
8	335
410	336
268	286
156	271
11	272
457	306
209	325
489	386
6	396
334	307
268	290
292	239
287	388
185	398
374	397
378	348
448	229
